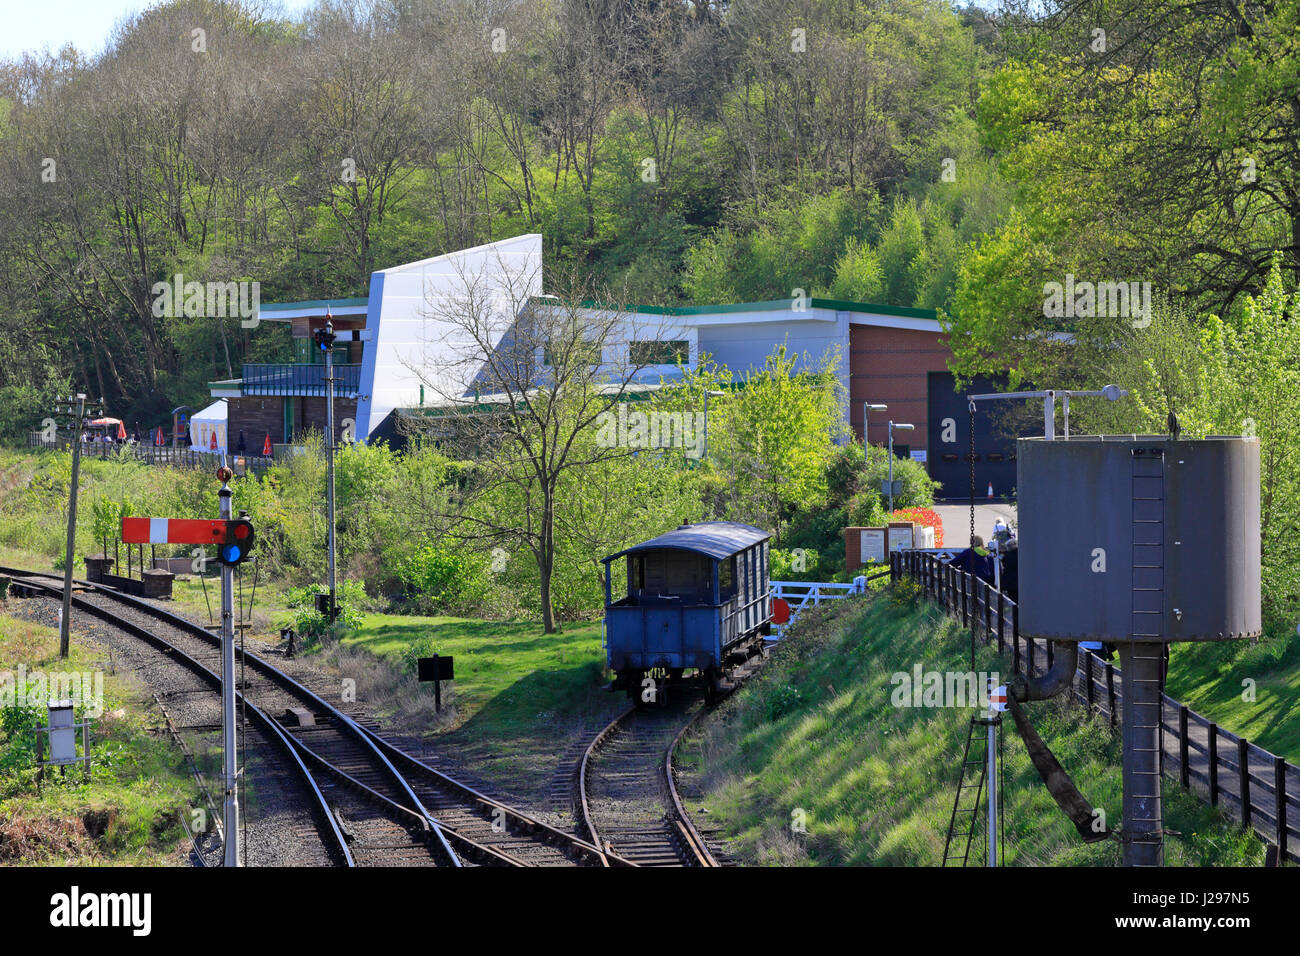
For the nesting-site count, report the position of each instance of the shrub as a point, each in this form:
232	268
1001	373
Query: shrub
443	579
313	626
918	487
866	510
785	699
795	564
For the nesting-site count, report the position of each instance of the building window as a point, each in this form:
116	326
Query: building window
660	353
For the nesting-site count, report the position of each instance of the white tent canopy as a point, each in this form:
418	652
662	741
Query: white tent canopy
211	421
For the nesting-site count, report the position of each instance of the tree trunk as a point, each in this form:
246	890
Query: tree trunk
546	561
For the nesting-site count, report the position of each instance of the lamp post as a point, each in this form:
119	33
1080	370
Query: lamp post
902	427
867	408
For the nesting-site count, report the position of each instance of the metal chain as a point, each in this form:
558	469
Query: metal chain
972	474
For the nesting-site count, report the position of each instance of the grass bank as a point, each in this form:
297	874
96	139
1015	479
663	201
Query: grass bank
816	740
1252	690
129	812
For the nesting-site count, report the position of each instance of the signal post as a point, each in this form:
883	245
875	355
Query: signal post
234	539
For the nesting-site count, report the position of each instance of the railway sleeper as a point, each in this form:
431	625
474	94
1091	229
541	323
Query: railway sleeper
470	849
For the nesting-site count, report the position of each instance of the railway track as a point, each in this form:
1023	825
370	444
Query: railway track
368	811
626	794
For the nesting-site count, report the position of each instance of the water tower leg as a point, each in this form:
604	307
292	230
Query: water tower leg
1143	839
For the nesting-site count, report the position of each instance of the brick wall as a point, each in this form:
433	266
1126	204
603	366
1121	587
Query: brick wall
889	366
310	413
257	417
260	416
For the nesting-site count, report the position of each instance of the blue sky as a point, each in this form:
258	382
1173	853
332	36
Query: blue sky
38	24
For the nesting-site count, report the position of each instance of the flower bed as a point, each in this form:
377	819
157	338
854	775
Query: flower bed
922	516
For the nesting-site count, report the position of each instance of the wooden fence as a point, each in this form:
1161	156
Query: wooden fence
1259	788
179	457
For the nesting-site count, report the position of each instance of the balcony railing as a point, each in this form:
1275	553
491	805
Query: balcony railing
300	380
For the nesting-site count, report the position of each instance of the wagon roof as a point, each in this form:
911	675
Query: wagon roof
716	539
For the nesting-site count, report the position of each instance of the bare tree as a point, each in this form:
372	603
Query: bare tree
532	386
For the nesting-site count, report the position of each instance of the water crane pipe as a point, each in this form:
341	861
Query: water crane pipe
1065	661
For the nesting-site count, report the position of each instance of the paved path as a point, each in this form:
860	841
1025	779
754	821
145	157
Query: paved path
956	521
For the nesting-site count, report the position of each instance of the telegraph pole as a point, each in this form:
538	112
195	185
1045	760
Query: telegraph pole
79	416
230	771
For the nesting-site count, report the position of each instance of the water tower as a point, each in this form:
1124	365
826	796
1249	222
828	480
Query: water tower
1137	541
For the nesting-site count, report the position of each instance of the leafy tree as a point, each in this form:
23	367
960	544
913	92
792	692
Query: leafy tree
773	436
1239	375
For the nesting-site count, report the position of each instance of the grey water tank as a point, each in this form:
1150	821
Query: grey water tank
1139	538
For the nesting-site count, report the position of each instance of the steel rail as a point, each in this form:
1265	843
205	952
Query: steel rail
277	676
572	846
337	844
587	852
692	836
692	845
583	804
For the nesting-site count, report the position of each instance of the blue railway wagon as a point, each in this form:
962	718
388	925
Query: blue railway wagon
697	599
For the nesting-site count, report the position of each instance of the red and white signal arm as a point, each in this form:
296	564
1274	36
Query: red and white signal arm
172	531
998	699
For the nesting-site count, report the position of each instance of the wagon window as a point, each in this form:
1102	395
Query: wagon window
727	578
655	573
683	573
638	572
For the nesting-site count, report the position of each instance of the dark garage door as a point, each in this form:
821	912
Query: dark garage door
948	424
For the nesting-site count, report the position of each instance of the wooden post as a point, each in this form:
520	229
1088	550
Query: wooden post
985	603
1029	667
1001	618
1243	780
1214	764
1184	777
965	598
1015	638
1087	676
1279	810
1110	691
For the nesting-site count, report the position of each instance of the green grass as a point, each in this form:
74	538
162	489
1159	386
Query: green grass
1210	679
130	810
520	705
816	737
508	674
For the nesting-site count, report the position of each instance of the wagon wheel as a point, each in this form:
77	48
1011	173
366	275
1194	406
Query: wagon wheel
712	690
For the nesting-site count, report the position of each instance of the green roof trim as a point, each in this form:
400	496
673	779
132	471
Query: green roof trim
314	304
770	305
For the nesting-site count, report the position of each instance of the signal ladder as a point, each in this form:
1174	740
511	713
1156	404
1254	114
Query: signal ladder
968	802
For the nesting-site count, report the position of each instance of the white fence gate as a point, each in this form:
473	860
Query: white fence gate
802	594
